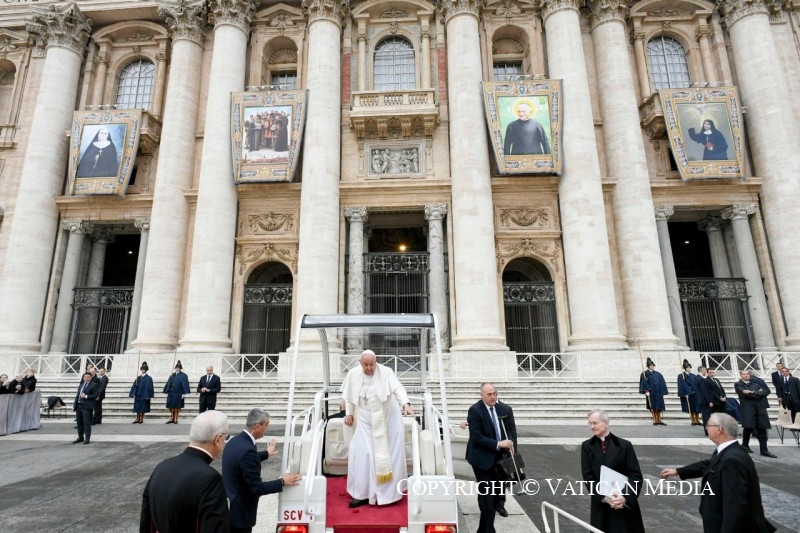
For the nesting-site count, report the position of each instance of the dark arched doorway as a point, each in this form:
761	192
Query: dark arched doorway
530	313
266	316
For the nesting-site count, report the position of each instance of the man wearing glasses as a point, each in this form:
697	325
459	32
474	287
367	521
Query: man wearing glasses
185	493
731	495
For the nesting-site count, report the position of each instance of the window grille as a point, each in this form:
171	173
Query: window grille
668	66
394	65
135	87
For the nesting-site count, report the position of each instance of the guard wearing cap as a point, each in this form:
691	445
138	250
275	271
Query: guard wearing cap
653	386
688	393
176	389
142	392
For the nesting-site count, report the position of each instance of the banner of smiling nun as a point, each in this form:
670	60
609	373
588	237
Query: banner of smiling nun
102	152
524	120
706	131
266	134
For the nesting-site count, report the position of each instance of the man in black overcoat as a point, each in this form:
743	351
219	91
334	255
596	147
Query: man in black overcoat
790	392
101	395
753	394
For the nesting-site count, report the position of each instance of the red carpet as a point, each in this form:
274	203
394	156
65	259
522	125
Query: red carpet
367	518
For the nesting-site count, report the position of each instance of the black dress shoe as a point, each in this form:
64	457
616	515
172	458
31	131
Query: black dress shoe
168	422
357	503
747	449
87	442
502	512
662	423
769	454
76	441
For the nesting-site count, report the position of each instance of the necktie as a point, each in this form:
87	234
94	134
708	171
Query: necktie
80	400
713	455
495	424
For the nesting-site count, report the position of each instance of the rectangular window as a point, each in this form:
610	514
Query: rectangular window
507	71
286	81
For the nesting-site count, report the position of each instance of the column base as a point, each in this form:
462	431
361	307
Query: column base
658	343
771	349
205	346
22	347
151	346
596	343
479	344
791	343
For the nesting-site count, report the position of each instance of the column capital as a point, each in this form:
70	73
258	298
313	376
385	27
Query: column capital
333	10
77	226
237	13
63	26
103	236
142	224
356	214
607	10
186	20
548	7
362	36
451	8
702	32
435	211
710	223
732	212
101	58
734	10
637	35
663	212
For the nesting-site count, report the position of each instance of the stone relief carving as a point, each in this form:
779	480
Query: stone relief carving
394	14
508	9
548	250
270	222
394	161
507	46
250	253
284	55
524	216
669	12
7	44
139	37
281	20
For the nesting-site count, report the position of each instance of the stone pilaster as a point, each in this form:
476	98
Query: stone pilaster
748	261
437	279
644	289
774	137
663	212
143	225
702	34
64	31
69	278
100	80
357	216
592	303
716	242
478	325
318	254
209	295
97	259
163	274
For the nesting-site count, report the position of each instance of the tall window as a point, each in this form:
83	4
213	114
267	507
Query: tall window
668	65
287	81
394	65
507	71
135	87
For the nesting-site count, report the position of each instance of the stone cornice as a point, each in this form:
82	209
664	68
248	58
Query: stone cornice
63	26
186	20
237	13
332	10
451	8
356	214
735	211
734	10
607	10
663	212
435	211
548	7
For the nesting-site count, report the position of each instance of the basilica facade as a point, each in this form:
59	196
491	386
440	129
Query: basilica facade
398	204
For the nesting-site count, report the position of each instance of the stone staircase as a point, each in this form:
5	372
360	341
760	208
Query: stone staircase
546	401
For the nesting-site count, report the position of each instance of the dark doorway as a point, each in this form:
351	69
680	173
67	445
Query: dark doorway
121	258
690	250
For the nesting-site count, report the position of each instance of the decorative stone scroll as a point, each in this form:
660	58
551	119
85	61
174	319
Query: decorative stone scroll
250	253
550	251
270	223
524	217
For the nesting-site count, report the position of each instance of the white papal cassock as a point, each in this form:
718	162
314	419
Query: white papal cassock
376	461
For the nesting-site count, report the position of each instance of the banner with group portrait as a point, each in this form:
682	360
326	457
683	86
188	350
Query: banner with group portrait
524	121
706	131
266	134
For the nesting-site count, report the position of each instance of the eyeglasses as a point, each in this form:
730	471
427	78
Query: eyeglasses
713	426
225	437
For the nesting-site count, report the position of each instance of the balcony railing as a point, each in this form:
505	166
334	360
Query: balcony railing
374	109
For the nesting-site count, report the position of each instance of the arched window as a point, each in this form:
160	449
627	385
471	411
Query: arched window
668	65
135	87
394	65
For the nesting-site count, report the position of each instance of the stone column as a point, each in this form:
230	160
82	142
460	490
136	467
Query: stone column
477	322
97	259
318	252
355	272
730	251
211	278
592	304
34	220
69	278
100	79
143	225
437	279
362	57
162	286
426	55
703	33
774	137
748	260
663	212
641	270
716	243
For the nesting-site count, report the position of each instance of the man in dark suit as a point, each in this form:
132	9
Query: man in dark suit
733	499
790	392
185	493
487	442
612	513
208	388
101	394
753	394
241	471
777	382
716	396
83	406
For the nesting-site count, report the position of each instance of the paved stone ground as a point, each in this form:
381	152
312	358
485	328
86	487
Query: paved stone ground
50	485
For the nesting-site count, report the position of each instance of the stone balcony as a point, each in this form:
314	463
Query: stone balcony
651	114
150	133
381	113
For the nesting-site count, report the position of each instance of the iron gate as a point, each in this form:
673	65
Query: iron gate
532	323
266	324
100	317
715	314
